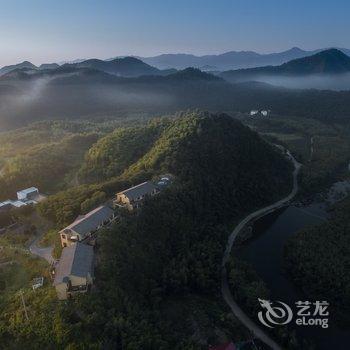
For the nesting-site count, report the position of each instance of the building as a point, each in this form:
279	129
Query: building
37	283
260	113
74	271
133	197
28	194
5	206
85	225
9	204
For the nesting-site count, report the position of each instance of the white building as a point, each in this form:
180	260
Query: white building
8	204
259	113
28	194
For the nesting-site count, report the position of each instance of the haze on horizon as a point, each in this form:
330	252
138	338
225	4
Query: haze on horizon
54	31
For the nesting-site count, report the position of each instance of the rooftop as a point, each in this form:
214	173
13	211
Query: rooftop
28	190
15	203
76	260
84	224
139	190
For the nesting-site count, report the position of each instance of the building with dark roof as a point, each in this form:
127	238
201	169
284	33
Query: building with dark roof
74	272
133	197
85	225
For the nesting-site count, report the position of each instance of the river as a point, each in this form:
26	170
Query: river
265	253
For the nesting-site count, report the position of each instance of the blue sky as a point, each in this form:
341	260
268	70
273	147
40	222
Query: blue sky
47	31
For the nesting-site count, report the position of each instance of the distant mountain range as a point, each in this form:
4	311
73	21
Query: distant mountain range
125	67
71	91
329	64
168	63
229	60
25	64
96	88
330	61
322	65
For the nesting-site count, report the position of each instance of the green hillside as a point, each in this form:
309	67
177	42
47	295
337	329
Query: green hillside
158	274
318	257
188	147
157	267
50	166
118	150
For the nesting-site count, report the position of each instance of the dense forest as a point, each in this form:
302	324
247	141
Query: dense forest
173	143
118	150
318	260
158	273
323	148
48	166
94	95
47	154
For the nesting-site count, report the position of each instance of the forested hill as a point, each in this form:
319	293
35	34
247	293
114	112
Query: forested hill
324	251
330	61
156	267
76	93
233	158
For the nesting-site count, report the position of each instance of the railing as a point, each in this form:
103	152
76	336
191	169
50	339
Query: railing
81	288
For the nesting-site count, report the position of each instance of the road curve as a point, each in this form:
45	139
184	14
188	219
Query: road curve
225	290
45	253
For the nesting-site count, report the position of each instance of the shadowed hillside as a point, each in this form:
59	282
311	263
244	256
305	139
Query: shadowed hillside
155	268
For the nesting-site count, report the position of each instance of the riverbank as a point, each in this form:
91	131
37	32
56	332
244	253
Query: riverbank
264	252
225	289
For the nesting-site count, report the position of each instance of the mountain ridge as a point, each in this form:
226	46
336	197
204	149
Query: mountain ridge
210	62
327	62
229	60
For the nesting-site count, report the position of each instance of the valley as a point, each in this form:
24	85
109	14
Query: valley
180	264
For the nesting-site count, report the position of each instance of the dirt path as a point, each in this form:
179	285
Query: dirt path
225	289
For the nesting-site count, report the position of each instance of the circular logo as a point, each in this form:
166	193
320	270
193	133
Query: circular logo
275	313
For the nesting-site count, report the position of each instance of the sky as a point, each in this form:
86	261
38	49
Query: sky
44	31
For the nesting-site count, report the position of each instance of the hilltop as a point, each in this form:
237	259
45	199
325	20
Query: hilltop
155	268
125	67
327	62
25	64
133	154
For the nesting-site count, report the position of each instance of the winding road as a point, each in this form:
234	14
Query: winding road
225	290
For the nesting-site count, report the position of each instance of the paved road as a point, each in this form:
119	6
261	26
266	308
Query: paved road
226	293
45	253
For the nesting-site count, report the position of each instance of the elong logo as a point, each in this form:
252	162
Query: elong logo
274	315
279	313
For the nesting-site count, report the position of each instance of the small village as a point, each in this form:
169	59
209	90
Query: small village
73	272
